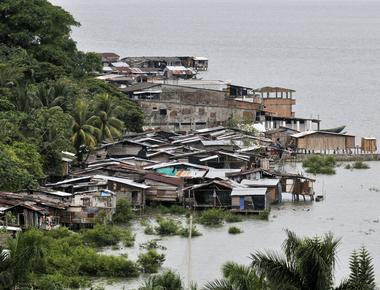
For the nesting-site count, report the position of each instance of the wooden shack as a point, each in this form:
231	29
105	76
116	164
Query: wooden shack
125	188
323	142
210	194
272	185
163	188
369	145
249	199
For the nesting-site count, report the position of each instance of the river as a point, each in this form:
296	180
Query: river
350	211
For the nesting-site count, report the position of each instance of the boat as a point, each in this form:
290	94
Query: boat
334	130
319	198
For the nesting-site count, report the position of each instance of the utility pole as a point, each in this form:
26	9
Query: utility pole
189	252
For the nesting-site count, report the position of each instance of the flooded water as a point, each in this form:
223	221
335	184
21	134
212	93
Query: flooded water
350	210
329	51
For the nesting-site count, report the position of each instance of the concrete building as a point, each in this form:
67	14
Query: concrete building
187	108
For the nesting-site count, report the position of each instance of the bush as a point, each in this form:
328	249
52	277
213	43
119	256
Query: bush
152	244
167	227
264	215
212	217
173	209
320	165
59	281
184	232
103	235
123	213
167	280
232	218
234	230
348	166
360	165
93	264
149	230
150	261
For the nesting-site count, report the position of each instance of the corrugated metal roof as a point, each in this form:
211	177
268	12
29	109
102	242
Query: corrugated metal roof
241	191
122	180
216	143
220	173
307	133
267	182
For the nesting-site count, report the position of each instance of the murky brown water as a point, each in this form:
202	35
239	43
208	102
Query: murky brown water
350	210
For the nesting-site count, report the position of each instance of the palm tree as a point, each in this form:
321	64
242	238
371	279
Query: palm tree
17	261
237	277
105	119
362	274
84	134
168	280
308	263
57	94
22	97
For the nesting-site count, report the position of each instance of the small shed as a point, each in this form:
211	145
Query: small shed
369	145
246	199
273	186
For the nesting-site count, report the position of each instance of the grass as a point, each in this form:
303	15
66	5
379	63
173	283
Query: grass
234	230
320	165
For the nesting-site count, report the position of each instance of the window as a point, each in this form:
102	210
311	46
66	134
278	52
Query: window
86	201
163	112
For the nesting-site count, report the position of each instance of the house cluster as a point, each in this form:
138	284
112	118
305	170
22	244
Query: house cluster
173	98
142	69
210	167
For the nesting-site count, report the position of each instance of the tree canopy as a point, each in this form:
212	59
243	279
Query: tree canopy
43	78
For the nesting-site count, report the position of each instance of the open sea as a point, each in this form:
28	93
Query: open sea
328	51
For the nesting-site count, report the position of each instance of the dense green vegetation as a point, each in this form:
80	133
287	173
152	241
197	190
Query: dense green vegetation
49	99
357	165
320	164
123	213
234	230
150	261
57	260
211	217
216	217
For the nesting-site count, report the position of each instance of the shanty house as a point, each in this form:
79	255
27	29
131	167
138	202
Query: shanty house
125	188
246	199
163	188
89	206
180	169
27	214
215	193
178	72
322	141
272	185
